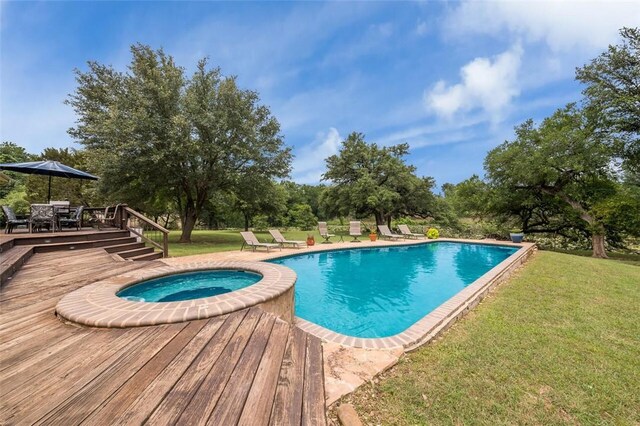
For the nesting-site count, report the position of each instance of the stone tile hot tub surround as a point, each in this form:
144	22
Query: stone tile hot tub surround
97	305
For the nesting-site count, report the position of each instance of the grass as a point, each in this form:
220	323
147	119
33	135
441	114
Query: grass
630	258
226	240
558	344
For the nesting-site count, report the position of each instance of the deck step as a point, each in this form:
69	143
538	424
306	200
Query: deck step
69	237
150	256
12	260
77	245
123	247
135	252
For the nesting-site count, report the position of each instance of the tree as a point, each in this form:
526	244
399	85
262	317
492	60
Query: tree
613	93
302	216
555	176
254	195
468	198
154	132
12	181
371	180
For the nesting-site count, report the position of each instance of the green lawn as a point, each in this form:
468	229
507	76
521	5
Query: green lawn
215	241
557	344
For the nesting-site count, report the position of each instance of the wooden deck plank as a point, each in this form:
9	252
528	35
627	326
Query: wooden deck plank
257	407
287	406
313	406
228	409
138	408
118	370
204	401
140	379
244	367
54	382
170	409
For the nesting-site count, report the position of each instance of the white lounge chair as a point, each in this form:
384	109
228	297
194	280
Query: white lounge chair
385	232
250	240
355	231
324	232
404	230
281	240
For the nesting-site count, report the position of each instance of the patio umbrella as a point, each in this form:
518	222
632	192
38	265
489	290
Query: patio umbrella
47	168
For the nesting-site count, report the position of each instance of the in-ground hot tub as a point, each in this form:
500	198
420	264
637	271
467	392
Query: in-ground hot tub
239	285
189	286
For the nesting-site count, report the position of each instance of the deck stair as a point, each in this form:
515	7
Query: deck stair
14	252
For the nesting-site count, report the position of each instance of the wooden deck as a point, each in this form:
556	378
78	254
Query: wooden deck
242	368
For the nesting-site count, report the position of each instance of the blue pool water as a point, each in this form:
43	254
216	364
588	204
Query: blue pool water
187	286
379	292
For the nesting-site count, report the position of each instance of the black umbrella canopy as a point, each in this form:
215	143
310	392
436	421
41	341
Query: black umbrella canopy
47	168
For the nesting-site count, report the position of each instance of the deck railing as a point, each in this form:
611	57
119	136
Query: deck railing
145	228
123	217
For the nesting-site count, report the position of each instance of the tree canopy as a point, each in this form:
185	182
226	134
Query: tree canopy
558	176
157	135
372	180
613	93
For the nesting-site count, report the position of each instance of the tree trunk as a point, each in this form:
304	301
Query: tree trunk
188	223
597	241
246	222
379	218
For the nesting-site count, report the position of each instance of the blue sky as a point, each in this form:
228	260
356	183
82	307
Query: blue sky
450	78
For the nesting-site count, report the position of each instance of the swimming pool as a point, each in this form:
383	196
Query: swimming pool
379	292
188	286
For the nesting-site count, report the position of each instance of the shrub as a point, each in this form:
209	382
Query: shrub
432	233
302	217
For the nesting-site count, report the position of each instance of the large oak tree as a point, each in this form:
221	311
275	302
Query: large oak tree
558	176
153	132
372	180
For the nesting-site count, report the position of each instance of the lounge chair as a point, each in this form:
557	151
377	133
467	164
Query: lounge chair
281	240
12	220
250	240
355	231
385	232
404	230
73	220
324	232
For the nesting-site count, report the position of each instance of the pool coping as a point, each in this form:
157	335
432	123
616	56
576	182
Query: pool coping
439	319
96	305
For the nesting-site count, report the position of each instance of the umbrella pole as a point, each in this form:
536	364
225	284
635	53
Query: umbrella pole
49	193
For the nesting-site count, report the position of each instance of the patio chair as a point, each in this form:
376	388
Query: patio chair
76	219
250	240
110	216
385	232
12	220
42	215
404	230
355	231
60	207
324	232
280	239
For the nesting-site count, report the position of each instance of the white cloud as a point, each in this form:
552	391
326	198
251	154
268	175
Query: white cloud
422	28
562	24
486	84
309	164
